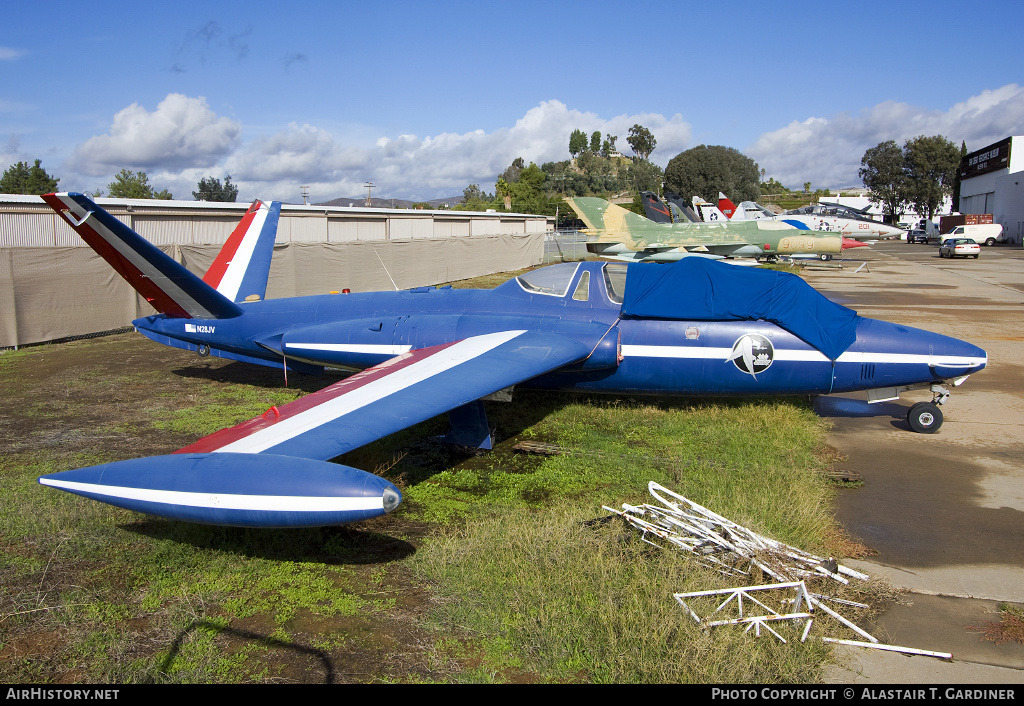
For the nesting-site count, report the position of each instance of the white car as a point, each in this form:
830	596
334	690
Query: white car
957	247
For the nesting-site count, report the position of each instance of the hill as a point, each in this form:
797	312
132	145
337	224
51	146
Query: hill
392	203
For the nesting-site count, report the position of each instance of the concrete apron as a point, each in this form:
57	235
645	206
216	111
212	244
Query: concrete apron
943	511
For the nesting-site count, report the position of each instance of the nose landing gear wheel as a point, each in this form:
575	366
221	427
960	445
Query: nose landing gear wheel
925	418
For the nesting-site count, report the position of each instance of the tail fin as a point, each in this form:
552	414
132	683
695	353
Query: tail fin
602	215
681	213
242	268
169	287
726	206
655	208
709	213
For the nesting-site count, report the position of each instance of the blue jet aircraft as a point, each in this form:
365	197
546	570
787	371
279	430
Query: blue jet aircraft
696	327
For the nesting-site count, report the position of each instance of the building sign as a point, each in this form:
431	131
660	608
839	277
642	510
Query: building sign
988	159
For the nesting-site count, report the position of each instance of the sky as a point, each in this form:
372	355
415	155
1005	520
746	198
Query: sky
424	98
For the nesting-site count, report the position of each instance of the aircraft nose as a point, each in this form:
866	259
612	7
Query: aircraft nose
945	357
851	243
953	358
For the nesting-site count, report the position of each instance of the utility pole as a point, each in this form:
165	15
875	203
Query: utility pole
305	195
369	188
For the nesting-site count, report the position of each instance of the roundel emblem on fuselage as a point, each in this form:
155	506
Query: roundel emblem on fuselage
752	353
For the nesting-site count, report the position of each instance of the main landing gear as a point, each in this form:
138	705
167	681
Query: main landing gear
926	417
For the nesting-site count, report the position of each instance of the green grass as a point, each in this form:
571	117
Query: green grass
550	596
486	573
220	408
545	594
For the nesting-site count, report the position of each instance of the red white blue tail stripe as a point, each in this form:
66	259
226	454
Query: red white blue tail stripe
241	269
165	284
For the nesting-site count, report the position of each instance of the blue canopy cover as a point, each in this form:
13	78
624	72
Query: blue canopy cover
704	290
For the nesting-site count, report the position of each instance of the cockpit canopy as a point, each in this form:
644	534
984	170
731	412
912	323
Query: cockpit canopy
555	280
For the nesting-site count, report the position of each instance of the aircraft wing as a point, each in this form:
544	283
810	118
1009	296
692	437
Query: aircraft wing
271	471
396	394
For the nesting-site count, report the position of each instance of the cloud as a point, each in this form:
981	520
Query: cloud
238	43
827	151
184	140
10	153
297	58
9	53
182	132
433	166
206	42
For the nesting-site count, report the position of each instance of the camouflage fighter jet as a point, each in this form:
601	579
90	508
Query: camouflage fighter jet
614	231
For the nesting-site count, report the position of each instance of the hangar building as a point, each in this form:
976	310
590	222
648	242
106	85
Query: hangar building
992	181
53	286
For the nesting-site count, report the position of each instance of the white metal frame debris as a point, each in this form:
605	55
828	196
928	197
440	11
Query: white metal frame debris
723	545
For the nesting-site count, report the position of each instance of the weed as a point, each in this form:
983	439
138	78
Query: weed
1009	627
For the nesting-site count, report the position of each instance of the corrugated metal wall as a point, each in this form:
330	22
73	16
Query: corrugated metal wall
343	230
450	228
29	224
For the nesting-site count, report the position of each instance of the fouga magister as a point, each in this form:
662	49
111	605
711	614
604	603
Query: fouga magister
696	327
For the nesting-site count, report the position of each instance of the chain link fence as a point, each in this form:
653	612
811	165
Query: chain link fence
564	246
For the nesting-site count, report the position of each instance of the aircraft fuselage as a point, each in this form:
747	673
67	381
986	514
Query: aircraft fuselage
630	355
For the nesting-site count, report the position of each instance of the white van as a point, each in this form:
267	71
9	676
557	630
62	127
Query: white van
982	233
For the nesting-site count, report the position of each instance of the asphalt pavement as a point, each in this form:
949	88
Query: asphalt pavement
943	512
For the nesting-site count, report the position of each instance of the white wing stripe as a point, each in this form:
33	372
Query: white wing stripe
351	348
425	369
279	503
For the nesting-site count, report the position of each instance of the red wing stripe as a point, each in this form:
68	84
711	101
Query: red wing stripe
219	440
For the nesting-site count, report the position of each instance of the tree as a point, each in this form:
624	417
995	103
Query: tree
134	185
886	181
595	142
511	174
931	164
642	141
771	186
22	179
577	142
608	146
527	193
473	199
503	190
210	189
705	170
642	175
563	179
956	183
